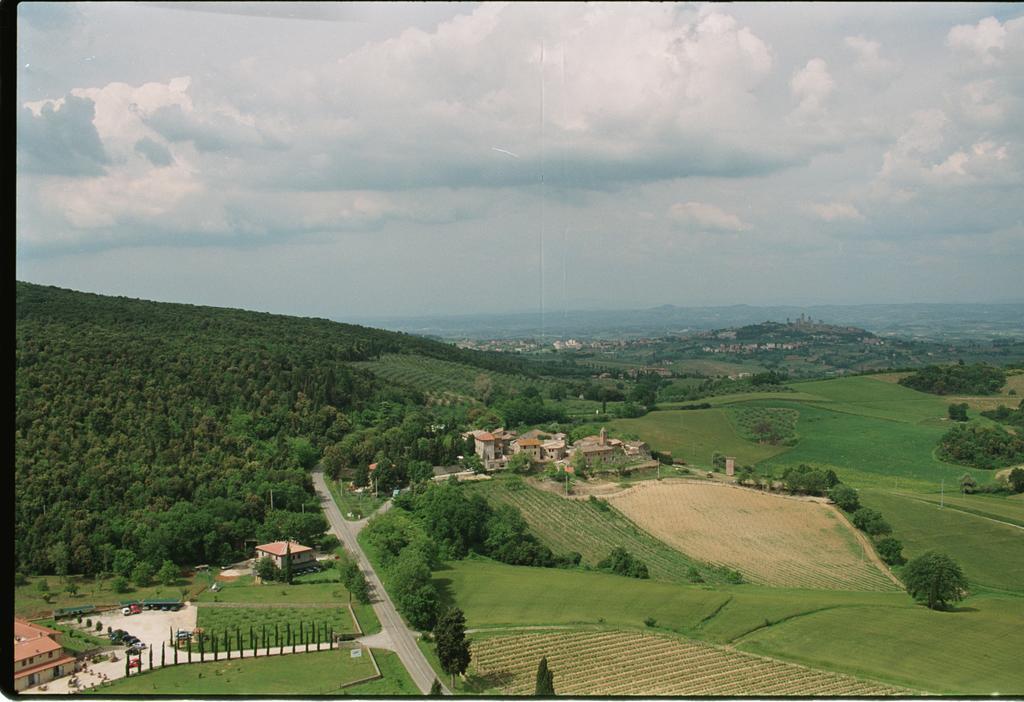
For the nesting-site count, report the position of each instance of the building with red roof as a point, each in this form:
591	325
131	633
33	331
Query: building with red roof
38	657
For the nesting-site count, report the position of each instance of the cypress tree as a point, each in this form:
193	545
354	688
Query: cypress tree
287	574
175	655
163	654
545	679
435	688
151	658
452	645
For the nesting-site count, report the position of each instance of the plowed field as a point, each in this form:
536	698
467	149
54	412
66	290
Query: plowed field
772	540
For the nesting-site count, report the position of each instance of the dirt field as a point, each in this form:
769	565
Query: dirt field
771	539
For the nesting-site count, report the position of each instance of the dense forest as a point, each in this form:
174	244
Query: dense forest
150	431
981	446
958	379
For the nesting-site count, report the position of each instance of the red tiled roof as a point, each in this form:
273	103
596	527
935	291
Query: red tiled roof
485	436
279	548
32	639
528	442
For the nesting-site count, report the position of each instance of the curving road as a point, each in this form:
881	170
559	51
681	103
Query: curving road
401	636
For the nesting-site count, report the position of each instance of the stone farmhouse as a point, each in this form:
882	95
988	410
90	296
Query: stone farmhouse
38	658
279	550
496	447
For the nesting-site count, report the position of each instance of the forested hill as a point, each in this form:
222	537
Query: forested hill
148	431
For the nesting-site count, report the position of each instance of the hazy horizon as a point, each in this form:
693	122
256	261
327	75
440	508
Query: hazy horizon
371	161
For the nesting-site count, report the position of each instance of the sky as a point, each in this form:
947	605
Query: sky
359	160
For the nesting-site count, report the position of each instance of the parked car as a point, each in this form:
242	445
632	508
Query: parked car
136	609
126	611
135	663
133	651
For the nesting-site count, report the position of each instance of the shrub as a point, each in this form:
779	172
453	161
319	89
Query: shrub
870	521
979	446
120	584
20	579
599	504
650	621
88	623
845	497
99	625
621	562
693	575
890	550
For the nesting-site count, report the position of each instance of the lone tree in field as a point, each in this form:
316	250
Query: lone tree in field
934	579
968	484
545	679
958	412
452	645
1016	479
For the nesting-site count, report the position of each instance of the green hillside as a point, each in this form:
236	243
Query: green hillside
148	431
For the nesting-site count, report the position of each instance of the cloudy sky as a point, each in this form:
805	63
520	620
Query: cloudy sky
355	160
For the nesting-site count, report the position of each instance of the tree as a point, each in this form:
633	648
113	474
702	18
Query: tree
71	588
120	584
1016	479
267	569
934	579
545	679
968	484
621	562
435	688
142	574
168	573
452	646
845	497
472	462
286	570
870	521
890	550
520	463
958	412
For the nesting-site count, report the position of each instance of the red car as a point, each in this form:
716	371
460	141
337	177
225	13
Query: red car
136	609
135	663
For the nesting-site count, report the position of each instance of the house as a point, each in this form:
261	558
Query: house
38	658
531	447
598	449
278	550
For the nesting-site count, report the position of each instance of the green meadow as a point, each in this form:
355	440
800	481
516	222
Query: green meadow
884	636
694	435
990	554
974	650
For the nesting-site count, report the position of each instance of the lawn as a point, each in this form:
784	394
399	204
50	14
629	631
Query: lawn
973	651
990	554
307	674
577	525
272	625
358	505
75	639
694	435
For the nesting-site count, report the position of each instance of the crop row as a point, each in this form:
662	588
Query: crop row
571	525
630	663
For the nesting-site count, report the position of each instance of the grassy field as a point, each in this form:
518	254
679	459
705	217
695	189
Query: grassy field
771	539
29	600
270	624
308	674
694	435
975	650
1005	508
244	591
74	638
990	554
577	525
882	636
358	505
594	663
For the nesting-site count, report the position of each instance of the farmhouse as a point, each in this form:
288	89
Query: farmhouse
598	449
38	658
494	448
278	550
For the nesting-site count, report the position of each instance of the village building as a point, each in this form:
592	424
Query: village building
598	449
494	448
279	551
38	658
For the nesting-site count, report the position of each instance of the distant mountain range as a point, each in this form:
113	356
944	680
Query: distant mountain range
921	320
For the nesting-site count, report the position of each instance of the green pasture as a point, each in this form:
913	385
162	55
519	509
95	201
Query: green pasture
991	554
694	435
306	674
1004	508
974	650
578	525
272	625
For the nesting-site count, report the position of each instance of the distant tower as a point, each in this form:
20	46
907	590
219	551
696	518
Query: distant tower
603	437
730	465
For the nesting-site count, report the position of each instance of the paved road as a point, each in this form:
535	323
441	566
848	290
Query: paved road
403	639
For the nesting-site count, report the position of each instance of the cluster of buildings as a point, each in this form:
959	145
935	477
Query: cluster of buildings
495	448
38	657
753	348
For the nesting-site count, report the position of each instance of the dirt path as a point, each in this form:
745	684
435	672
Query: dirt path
869	550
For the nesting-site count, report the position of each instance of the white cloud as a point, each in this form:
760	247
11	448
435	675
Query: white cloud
869	55
985	40
704	216
811	86
836	211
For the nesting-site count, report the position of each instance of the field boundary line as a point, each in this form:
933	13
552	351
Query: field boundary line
869	550
714	614
958	509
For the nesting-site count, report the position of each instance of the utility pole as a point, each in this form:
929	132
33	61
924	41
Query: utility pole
942	493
